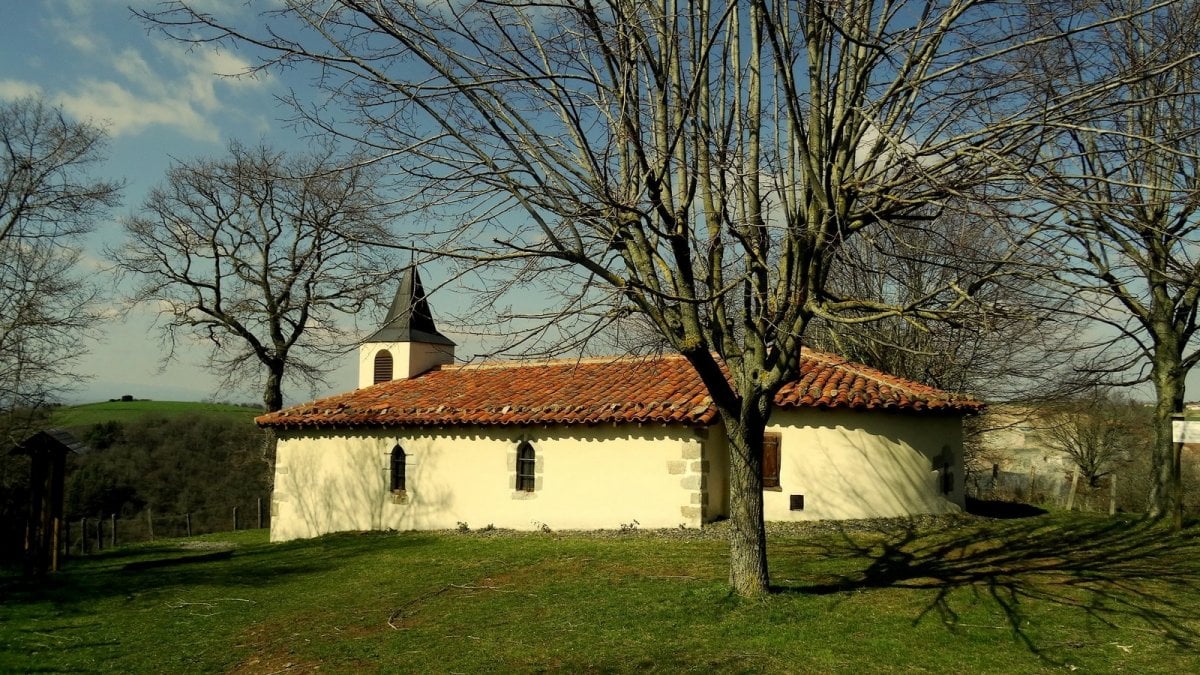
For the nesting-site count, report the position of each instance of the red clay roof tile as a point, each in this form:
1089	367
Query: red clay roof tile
663	390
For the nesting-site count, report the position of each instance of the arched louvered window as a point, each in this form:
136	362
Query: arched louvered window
383	366
397	470
526	465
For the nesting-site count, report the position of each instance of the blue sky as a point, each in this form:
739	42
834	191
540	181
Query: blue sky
158	100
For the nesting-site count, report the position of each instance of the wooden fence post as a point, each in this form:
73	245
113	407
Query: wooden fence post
260	513
1112	496
56	542
1074	486
100	532
235	518
112	534
150	522
187	519
83	536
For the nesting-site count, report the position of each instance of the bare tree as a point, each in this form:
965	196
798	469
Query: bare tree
1124	206
697	163
255	254
48	200
1006	343
1098	431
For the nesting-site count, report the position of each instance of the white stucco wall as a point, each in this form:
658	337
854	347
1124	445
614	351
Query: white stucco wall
408	359
846	464
864	465
588	478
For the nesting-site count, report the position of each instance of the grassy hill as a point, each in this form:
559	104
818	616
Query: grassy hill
1054	593
126	411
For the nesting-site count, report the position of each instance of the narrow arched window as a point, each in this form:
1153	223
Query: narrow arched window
383	366
397	471
526	465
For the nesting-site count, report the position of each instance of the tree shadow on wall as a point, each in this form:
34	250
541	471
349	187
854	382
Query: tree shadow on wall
1115	572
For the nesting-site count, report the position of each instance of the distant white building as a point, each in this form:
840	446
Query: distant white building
595	443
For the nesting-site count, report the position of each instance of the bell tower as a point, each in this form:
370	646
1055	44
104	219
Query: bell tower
408	343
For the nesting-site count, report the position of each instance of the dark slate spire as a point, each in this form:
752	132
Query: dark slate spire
409	319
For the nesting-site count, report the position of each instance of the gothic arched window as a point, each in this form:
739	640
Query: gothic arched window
526	465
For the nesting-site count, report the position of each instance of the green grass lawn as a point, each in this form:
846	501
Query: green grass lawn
1051	593
79	416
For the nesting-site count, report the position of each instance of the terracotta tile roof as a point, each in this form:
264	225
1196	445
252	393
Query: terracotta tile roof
830	381
661	390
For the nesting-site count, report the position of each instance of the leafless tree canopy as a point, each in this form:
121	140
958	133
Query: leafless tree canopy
697	163
1006	344
257	254
1122	203
1098	431
48	199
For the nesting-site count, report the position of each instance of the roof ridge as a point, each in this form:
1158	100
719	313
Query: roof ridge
583	360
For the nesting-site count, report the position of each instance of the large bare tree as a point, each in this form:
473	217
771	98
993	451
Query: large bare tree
255	254
697	163
1122	181
49	198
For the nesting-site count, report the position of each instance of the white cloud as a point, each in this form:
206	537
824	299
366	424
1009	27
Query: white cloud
129	63
11	89
205	68
81	41
223	64
124	111
146	84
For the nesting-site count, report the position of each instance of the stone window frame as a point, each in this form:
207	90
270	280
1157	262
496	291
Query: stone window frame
539	469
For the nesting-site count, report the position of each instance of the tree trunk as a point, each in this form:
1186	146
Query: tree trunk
747	535
273	391
273	400
1166	489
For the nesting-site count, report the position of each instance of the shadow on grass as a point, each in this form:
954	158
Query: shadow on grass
993	508
1115	572
147	568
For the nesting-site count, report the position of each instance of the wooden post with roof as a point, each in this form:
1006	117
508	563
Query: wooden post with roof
47	451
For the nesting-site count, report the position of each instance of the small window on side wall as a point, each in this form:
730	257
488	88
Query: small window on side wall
770	463
383	367
526	467
397	470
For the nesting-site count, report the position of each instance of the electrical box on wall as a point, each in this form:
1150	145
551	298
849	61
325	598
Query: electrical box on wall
796	502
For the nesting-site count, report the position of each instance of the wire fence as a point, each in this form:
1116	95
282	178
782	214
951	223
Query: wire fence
88	535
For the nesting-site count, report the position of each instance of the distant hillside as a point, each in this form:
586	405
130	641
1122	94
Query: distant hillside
127	411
